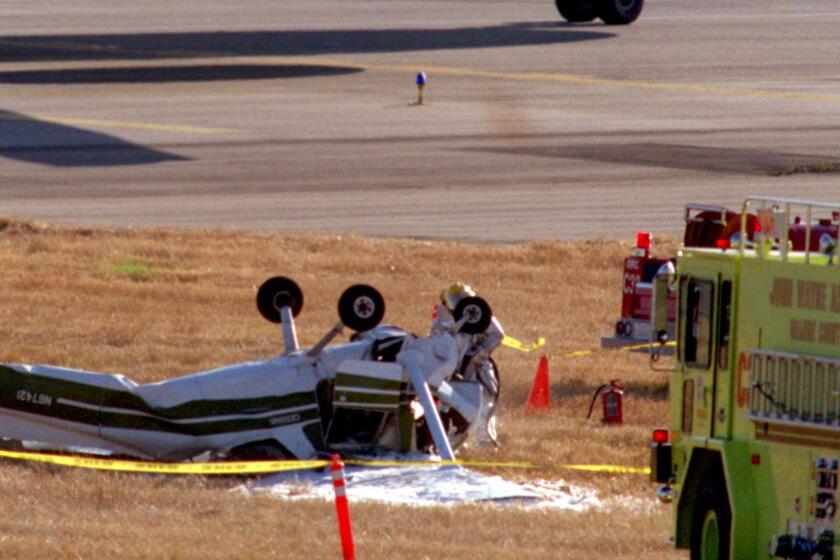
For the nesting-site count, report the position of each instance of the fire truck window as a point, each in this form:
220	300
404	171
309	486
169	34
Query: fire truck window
679	323
725	324
698	324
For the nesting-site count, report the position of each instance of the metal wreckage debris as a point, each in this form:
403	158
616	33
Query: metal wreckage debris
386	389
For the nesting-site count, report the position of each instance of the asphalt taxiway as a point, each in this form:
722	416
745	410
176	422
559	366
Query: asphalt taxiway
302	116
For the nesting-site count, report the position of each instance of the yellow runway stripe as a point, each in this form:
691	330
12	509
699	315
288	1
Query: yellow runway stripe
266	467
107	123
107	50
572	79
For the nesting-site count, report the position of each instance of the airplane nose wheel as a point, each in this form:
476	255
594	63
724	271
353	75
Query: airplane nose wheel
361	307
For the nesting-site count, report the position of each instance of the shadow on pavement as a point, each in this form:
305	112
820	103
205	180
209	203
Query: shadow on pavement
167	74
39	141
142	46
732	161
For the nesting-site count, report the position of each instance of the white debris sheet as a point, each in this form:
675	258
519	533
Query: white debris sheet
427	486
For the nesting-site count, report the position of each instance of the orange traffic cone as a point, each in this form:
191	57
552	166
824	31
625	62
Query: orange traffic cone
539	399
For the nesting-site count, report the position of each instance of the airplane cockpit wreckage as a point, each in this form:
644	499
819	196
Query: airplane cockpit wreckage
385	390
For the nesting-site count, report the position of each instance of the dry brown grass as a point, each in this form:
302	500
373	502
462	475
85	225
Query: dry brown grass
158	303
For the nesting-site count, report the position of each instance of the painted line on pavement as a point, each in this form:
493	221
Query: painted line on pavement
109	123
571	79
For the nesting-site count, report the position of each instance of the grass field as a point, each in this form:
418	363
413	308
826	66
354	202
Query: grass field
154	304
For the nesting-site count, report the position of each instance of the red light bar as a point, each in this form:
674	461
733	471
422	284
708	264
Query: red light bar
643	240
660	435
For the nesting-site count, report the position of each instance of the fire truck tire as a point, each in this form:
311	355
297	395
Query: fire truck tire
619	12
577	11
712	524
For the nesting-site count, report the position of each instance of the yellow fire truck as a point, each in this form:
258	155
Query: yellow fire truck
750	462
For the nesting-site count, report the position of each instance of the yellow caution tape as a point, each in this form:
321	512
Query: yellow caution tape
612	469
579	353
511	342
265	467
220	468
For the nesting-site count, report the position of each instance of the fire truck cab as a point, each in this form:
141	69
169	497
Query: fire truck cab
750	460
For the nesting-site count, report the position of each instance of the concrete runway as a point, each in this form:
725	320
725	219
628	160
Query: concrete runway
301	115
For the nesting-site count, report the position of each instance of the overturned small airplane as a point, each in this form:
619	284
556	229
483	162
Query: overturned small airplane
386	389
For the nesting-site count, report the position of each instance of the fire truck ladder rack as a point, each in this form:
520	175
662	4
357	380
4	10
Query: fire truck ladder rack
774	221
794	390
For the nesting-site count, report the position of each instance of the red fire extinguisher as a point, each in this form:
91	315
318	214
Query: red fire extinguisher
612	401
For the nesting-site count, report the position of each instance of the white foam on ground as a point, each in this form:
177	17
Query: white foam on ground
428	486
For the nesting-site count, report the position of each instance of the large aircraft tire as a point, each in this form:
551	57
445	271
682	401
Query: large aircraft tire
619	12
712	525
577	11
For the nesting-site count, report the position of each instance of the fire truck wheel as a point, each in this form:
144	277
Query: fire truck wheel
577	11
361	307
619	12
712	524
276	293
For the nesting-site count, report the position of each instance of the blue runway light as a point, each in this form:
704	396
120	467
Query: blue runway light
421	83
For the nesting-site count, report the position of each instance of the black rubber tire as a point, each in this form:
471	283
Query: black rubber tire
477	312
577	11
711	501
619	12
274	294
361	307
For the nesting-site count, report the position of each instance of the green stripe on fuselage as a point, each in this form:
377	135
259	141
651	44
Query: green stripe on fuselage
38	394
207	426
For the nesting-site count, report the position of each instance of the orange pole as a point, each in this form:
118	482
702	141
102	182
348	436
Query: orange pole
342	509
